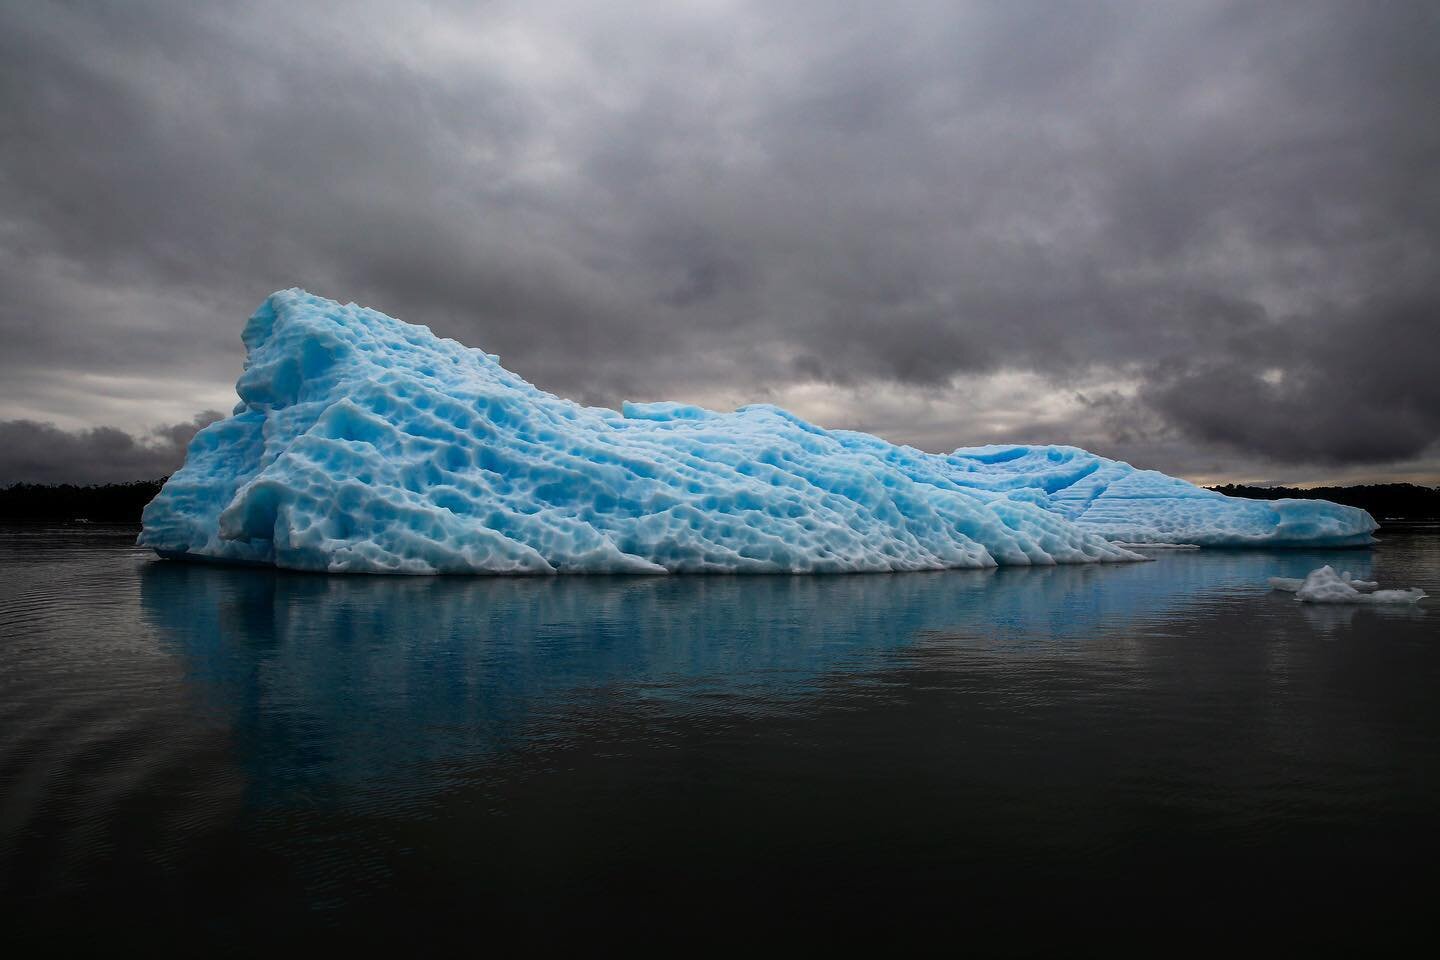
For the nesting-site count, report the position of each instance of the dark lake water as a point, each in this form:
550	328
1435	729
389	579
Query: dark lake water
1154	755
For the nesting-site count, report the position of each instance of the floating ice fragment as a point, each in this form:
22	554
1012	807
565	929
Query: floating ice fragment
1293	584
1326	586
365	444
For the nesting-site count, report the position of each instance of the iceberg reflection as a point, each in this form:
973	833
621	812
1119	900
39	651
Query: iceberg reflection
346	686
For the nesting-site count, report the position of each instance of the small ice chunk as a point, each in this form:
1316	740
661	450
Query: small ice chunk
1293	584
1326	586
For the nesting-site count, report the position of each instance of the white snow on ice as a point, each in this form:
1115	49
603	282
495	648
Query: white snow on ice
365	444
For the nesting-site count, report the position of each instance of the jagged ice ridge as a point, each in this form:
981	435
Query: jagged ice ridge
365	444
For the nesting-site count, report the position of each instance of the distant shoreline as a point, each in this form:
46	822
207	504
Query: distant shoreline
96	503
124	502
1383	501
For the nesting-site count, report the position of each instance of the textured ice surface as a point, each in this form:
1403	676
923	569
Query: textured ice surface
1326	586
364	444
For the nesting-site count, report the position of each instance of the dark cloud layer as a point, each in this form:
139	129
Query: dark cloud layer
1204	236
33	452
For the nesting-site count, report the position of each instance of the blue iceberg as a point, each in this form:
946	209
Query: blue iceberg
362	444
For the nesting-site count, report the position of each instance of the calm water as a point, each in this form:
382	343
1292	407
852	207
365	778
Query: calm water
1075	757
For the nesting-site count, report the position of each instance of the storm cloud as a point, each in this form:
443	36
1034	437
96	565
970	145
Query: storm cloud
1202	236
42	453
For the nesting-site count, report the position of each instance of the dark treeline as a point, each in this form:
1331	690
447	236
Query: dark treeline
1392	501
100	503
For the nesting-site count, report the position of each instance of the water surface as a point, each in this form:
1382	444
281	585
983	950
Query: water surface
1021	758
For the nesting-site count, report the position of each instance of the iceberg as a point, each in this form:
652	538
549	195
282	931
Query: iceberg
363	444
1326	586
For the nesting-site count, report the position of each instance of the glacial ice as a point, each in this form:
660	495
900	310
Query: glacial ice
1326	586
365	444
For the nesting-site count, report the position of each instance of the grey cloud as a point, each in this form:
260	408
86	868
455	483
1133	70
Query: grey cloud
666	201
32	452
1336	393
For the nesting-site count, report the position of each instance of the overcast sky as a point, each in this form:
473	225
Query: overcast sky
1202	237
